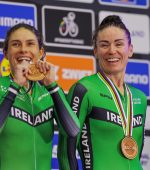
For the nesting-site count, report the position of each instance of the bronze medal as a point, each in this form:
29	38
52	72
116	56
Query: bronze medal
129	147
35	74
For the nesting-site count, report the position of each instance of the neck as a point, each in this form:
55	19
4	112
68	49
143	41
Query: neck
118	81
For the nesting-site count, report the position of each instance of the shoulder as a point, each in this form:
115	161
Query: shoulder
137	92
138	95
4	80
83	85
88	80
4	84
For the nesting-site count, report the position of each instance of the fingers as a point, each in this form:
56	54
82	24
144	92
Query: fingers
52	71
43	66
48	69
20	72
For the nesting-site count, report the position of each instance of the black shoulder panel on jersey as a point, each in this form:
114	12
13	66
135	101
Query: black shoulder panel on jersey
77	97
5	106
66	120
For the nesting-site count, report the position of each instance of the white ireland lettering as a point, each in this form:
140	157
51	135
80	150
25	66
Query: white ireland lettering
137	121
87	161
37	120
88	167
113	117
24	116
76	99
86	150
87	155
108	115
75	104
85	142
119	119
17	113
50	111
45	116
84	126
84	134
12	111
30	120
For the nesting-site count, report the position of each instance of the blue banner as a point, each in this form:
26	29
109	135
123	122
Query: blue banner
129	3
14	13
1	56
54	152
137	74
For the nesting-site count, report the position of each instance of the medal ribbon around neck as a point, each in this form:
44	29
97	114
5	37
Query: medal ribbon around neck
127	121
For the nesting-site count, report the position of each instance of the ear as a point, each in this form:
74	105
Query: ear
5	55
130	51
95	52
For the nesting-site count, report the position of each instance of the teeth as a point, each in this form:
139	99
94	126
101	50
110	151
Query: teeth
113	59
24	58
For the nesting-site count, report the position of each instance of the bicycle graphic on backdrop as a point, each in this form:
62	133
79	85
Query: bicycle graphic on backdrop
68	26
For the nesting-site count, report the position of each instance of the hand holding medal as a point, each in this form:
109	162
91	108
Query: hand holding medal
41	70
34	73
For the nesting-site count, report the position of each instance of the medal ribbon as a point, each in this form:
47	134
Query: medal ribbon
127	121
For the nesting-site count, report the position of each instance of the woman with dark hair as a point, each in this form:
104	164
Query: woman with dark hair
30	99
111	112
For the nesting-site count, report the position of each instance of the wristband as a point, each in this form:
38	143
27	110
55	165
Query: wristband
54	90
13	90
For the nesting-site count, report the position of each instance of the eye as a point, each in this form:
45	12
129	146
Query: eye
103	45
119	44
15	44
31	43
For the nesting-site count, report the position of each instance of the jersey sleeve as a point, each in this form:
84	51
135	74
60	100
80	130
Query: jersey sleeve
66	119
6	102
78	99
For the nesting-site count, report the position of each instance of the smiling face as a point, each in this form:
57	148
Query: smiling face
113	50
22	46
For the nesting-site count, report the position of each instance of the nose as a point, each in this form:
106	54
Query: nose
112	49
24	48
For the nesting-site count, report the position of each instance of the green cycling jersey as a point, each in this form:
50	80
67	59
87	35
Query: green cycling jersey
99	142
27	124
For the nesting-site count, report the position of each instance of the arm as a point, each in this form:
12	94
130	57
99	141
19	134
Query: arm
78	100
20	71
7	103
67	120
